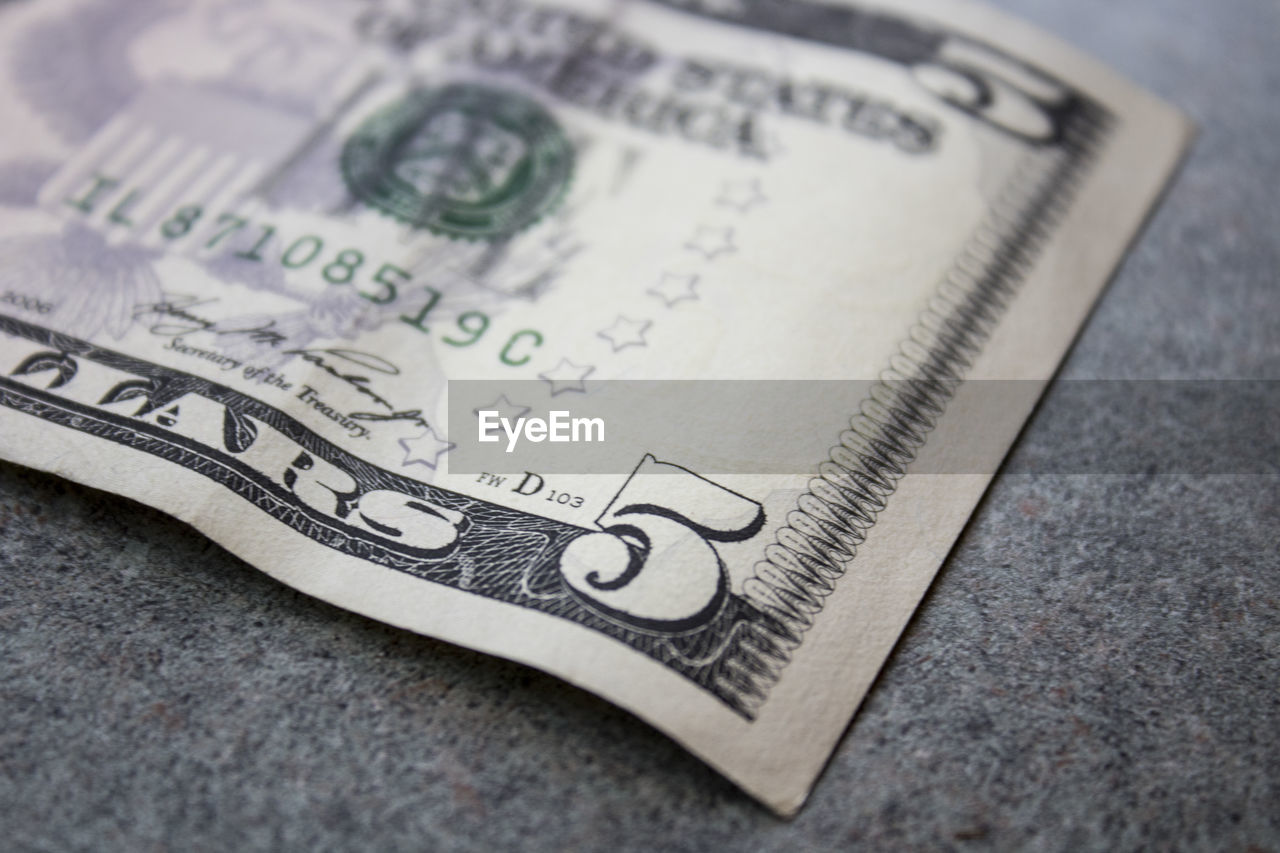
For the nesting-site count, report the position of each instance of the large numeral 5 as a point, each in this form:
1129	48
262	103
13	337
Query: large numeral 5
993	88
653	567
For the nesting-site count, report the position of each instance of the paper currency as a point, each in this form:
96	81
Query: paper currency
249	253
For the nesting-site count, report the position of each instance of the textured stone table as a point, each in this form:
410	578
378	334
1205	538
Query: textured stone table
1097	666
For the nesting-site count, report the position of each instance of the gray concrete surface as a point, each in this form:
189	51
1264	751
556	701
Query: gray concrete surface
1096	668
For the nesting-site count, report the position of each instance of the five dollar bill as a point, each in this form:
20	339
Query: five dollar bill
249	251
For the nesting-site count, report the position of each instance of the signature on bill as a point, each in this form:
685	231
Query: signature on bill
175	316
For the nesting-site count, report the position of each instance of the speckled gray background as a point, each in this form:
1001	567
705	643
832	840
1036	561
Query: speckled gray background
1095	668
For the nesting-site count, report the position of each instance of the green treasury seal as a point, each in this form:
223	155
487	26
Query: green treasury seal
463	161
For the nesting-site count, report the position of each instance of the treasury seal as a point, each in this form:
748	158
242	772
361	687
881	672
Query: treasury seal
465	160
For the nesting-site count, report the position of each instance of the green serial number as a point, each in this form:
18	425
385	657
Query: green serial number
339	268
343	268
346	266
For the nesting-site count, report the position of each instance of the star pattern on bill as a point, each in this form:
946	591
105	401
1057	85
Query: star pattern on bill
626	332
741	195
425	449
504	407
567	376
675	287
711	242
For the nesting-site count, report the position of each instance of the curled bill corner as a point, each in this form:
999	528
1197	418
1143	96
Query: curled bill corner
236	279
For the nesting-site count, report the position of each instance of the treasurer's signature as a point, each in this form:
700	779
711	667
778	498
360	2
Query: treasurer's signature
175	316
335	361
